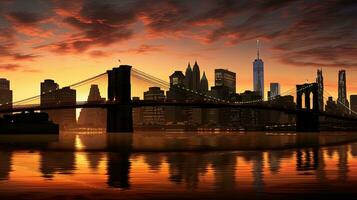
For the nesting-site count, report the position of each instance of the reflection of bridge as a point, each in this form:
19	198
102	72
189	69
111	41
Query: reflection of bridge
119	104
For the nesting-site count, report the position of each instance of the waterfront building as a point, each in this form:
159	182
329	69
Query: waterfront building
224	77
154	115
51	94
5	93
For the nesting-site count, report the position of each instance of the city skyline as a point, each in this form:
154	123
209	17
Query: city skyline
55	40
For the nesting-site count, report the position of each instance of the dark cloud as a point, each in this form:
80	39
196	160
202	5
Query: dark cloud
25	17
302	33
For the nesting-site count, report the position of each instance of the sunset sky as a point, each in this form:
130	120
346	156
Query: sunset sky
71	40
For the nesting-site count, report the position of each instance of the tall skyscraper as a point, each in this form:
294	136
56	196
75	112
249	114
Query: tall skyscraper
93	117
274	90
196	77
188	77
320	84
258	74
5	93
342	101
224	77
204	83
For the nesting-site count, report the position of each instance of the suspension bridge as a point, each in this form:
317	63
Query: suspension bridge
119	103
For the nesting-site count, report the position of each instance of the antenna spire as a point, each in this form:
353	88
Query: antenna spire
258	49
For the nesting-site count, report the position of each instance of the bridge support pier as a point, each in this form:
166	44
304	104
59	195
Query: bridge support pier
119	117
307	119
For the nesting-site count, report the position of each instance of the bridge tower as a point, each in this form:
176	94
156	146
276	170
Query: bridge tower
119	116
307	118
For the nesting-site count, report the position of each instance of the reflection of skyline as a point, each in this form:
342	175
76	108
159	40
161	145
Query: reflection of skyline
56	162
189	169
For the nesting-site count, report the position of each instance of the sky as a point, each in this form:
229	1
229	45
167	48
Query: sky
69	41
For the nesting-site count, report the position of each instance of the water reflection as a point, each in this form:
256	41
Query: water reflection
56	162
5	164
113	161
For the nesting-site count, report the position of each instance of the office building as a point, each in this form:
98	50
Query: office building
258	74
196	77
175	114
204	84
154	115
5	93
51	94
320	84
274	91
224	77
331	106
342	101
188	77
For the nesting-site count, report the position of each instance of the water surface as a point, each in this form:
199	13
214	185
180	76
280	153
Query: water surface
156	165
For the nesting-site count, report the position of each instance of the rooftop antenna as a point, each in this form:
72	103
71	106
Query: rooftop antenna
258	49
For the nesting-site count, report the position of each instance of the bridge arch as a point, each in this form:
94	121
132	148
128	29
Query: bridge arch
307	100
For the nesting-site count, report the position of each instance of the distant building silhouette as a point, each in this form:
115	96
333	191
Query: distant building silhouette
320	83
224	77
331	106
176	114
188	77
258	74
48	97
196	77
51	94
274	90
93	117
154	115
5	93
204	84
342	101
138	115
353	102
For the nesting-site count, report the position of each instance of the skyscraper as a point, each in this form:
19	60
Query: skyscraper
342	101
274	90
154	115
178	79
204	83
188	77
258	74
93	117
51	94
5	93
224	77
175	114
320	84
196	77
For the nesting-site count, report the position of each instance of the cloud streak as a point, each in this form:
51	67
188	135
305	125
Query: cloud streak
301	33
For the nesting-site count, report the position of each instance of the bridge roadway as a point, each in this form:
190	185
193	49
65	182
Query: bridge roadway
152	103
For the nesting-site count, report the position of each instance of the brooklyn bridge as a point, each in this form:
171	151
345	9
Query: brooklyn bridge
119	103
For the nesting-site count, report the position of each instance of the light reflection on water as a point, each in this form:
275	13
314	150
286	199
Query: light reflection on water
80	165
